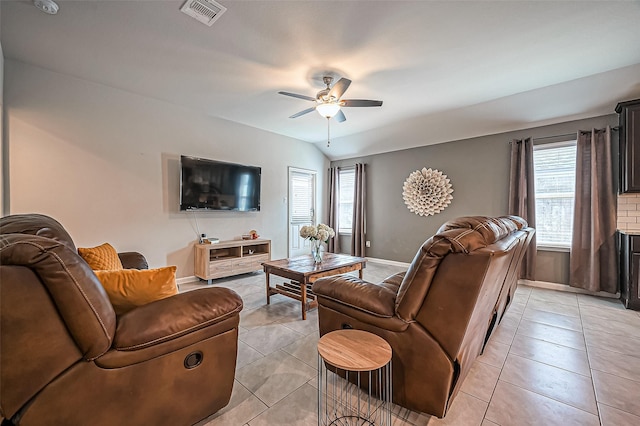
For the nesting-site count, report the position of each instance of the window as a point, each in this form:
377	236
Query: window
345	208
302	192
554	168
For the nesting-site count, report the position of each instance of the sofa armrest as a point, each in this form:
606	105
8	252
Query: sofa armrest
133	260
175	316
374	299
393	282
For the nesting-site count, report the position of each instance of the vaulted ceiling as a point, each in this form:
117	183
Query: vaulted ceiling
446	70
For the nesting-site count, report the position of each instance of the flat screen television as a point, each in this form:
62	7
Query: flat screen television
215	185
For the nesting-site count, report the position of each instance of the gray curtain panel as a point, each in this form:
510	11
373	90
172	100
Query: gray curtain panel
522	200
358	237
334	203
593	261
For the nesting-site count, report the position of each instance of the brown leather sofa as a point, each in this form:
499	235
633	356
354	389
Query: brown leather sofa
66	359
438	315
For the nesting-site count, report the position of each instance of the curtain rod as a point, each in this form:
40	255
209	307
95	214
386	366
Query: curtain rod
570	134
566	135
351	166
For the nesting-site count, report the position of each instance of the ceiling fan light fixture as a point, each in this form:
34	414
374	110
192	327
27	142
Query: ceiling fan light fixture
329	102
47	6
328	109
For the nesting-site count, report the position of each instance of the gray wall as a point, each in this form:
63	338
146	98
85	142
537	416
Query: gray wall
479	172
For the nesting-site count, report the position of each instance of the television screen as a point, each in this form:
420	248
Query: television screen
214	185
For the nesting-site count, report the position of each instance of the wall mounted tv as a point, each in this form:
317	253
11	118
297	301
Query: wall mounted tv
214	185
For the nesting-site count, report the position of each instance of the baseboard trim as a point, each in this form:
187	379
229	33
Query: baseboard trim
537	284
567	288
387	262
185	280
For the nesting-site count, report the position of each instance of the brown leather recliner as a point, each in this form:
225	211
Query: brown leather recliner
438	315
66	359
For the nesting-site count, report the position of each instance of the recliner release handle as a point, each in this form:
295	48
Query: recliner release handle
193	360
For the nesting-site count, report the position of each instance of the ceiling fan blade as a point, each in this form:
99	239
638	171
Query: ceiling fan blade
295	95
306	111
360	103
340	117
339	88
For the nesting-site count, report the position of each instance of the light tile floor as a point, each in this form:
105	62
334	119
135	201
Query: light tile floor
557	358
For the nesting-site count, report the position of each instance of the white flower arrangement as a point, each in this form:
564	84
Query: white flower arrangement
321	232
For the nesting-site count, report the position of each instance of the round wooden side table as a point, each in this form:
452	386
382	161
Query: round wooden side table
354	379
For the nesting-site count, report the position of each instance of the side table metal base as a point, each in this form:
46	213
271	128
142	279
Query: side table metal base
359	396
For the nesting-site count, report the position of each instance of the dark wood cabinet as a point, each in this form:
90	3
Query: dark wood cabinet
629	116
630	270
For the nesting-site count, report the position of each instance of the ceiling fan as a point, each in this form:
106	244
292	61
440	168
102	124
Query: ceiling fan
328	102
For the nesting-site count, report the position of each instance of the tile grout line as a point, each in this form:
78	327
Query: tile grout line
553	399
593	383
484	417
551	365
545	396
608	372
548	396
529	390
616	408
275	403
588	360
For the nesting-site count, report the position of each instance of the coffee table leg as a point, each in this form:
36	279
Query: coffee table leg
268	288
360	273
303	291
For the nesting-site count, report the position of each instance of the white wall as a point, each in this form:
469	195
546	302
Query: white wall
104	162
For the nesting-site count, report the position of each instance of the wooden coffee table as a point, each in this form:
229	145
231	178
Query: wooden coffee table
302	272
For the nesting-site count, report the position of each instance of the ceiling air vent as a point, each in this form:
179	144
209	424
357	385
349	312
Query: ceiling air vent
205	11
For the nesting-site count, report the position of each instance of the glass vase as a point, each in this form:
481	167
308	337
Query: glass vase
316	251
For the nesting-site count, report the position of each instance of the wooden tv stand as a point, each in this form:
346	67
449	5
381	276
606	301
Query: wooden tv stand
228	258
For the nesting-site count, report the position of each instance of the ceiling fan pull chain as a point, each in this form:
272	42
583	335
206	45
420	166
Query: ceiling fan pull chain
328	131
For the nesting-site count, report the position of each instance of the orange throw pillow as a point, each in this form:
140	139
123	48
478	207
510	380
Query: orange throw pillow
103	257
130	288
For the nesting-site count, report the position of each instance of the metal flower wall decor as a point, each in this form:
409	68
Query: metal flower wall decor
427	192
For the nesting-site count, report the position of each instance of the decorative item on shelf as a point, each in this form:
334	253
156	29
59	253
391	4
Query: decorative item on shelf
252	235
317	235
427	192
208	240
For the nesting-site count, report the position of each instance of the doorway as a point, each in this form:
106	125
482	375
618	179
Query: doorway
302	208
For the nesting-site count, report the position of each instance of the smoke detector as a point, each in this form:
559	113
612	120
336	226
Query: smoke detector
47	6
205	11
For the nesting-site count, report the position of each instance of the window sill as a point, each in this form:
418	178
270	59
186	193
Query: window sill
560	249
344	232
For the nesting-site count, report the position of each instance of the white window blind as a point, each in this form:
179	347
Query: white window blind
555	179
345	210
302	193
